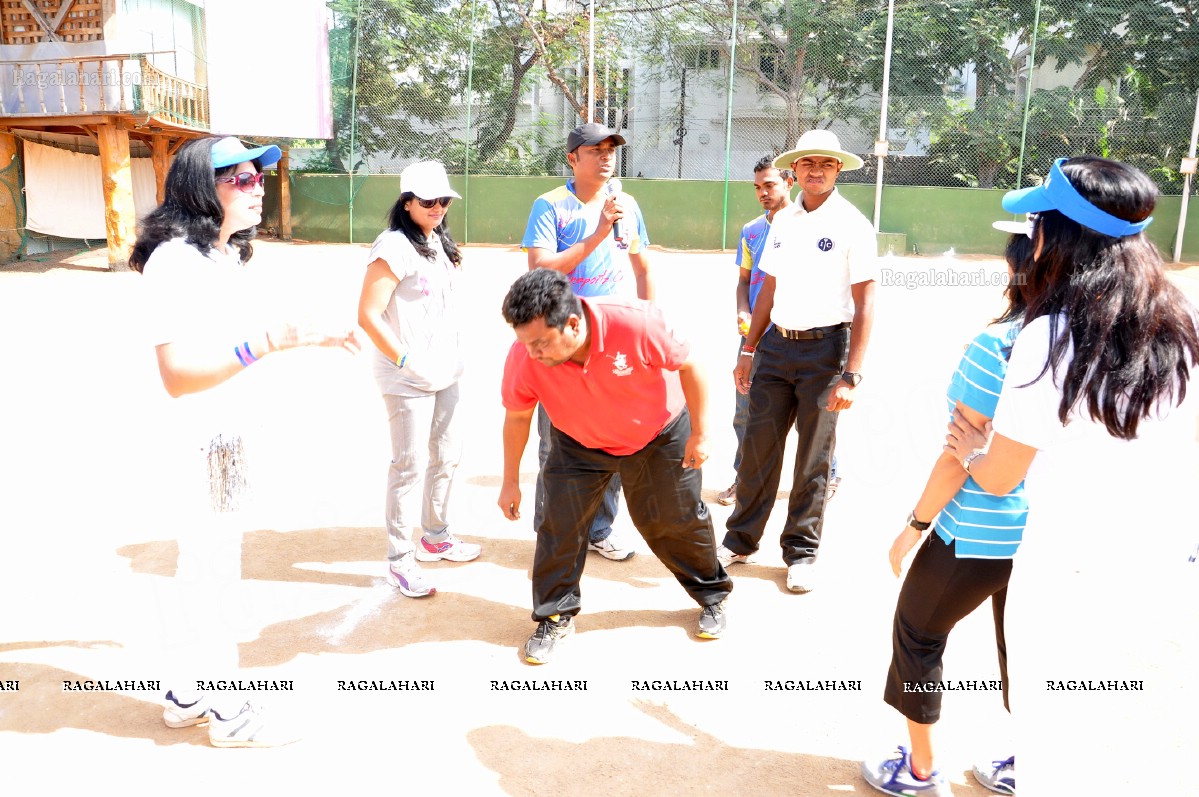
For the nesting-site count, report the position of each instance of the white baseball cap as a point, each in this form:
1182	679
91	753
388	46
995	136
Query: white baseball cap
428	180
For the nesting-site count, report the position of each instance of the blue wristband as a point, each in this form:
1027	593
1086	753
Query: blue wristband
240	359
250	358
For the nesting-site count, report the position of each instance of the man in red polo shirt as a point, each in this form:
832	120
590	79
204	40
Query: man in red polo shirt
617	383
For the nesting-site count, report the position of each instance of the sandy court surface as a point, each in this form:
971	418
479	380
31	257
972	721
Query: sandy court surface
91	480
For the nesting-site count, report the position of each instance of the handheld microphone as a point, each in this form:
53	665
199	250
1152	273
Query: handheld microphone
613	186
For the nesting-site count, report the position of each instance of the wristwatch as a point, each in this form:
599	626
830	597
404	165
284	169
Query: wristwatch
852	377
916	524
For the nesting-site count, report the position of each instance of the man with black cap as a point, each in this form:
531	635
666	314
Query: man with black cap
595	234
820	261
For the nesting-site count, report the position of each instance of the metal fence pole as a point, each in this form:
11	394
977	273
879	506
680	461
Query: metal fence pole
470	96
728	129
591	61
1186	186
880	146
1032	67
354	118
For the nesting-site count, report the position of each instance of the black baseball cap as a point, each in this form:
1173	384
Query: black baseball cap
591	134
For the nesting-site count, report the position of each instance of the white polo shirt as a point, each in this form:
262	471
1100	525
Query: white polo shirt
814	258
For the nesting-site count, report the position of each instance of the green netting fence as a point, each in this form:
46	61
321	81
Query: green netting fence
979	93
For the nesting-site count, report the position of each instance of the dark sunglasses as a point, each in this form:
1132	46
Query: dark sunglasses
246	181
428	203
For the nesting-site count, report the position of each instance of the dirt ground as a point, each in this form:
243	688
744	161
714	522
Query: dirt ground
89	480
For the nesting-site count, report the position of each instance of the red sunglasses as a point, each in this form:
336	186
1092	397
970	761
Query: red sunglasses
246	181
428	203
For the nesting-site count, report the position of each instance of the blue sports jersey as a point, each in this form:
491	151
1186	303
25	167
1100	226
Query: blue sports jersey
559	220
985	526
749	250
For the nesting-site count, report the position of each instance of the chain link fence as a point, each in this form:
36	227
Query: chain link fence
982	93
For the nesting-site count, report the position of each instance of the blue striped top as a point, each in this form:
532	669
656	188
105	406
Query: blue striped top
984	526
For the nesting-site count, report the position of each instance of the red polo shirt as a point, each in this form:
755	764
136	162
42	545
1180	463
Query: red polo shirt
627	391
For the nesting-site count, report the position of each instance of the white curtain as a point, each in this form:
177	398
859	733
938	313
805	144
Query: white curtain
64	194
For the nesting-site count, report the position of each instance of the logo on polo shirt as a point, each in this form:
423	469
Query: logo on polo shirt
825	244
620	365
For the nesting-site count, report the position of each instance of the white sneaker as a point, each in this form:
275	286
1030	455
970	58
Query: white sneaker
998	776
451	549
611	547
830	489
800	576
247	728
727	557
405	574
181	715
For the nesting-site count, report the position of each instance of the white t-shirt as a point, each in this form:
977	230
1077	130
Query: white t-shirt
1090	493
815	258
191	296
1103	606
424	314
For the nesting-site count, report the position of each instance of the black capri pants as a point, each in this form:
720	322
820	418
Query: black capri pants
940	589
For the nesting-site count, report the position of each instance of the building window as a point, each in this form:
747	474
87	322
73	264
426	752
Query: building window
697	56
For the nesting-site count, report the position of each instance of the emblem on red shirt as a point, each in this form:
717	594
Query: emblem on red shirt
620	365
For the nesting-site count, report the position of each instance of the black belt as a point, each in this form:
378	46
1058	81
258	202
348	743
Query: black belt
816	333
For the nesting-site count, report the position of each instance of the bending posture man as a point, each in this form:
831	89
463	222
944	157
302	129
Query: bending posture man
625	400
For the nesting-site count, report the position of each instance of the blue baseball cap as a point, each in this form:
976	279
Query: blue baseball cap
1056	193
230	152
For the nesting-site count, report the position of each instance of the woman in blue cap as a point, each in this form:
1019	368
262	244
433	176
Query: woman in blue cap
207	325
1099	412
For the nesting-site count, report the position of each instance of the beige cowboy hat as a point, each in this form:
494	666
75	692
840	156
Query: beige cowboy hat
819	142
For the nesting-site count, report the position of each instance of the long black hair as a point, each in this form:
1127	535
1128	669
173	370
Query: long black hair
190	208
1018	254
1133	332
399	219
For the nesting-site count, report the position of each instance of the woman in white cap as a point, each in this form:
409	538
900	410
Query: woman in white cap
207	325
1099	412
409	310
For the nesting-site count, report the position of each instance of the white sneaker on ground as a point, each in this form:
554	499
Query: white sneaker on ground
830	489
998	776
451	549
247	728
726	557
894	776
184	715
405	574
612	547
801	576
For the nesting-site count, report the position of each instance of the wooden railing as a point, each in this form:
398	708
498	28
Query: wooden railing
100	84
172	98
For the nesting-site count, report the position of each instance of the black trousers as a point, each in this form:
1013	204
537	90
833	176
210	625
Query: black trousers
664	504
792	385
939	590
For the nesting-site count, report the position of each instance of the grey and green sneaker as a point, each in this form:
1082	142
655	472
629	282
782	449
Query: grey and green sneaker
711	621
550	633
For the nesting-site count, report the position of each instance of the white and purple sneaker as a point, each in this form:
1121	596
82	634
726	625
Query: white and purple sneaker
451	549
999	777
894	776
405	575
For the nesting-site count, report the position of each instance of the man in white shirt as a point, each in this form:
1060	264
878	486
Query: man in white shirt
820	261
